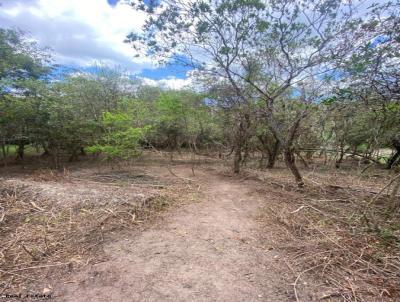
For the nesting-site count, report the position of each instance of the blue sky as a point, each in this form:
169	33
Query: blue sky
83	32
112	2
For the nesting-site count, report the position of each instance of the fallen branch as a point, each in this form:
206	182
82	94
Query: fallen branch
298	278
39	266
383	189
180	177
18	275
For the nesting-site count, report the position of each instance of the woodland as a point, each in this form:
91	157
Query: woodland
295	101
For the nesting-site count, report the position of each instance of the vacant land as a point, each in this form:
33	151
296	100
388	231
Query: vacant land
152	231
219	150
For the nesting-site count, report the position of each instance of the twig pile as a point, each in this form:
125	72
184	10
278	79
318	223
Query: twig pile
39	235
329	236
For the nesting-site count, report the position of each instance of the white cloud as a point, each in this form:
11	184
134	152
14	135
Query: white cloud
79	31
169	83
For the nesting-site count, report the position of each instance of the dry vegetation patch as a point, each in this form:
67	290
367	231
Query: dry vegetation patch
53	222
326	231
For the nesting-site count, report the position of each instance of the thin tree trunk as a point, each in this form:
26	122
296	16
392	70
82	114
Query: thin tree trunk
193	156
271	161
291	164
393	196
290	158
273	154
269	151
304	162
340	159
325	157
74	156
20	151
46	150
3	149
237	160
54	152
262	160
393	159
56	160
245	155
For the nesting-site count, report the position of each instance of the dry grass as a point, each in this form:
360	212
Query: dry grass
329	229
45	232
332	230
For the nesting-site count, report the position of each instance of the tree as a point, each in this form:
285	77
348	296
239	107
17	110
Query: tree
120	139
21	60
22	65
371	77
271	46
181	120
373	66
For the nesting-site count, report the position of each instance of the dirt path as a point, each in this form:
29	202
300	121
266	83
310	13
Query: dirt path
203	251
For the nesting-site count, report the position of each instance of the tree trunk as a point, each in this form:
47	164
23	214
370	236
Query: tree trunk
3	149
340	159
291	164
393	159
305	164
237	160
269	149
56	159
20	151
393	196
245	155
273	154
325	157
46	151
271	161
74	156
262	160
396	144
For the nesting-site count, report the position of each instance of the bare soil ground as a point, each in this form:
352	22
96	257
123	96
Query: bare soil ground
206	250
138	233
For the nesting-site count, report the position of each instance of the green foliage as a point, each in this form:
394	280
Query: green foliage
20	59
120	140
280	70
171	110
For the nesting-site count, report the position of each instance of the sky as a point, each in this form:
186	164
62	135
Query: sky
82	32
